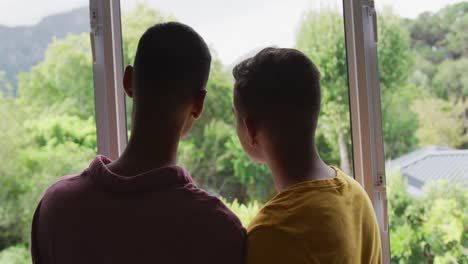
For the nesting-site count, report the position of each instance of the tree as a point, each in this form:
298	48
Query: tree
441	35
321	37
440	122
430	229
400	123
6	89
54	81
451	81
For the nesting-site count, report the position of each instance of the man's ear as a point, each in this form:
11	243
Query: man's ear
197	108
252	131
128	81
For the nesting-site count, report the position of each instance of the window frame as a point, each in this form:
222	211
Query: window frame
363	84
360	21
106	43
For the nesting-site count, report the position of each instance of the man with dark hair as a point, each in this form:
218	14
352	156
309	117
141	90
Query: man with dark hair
320	215
142	207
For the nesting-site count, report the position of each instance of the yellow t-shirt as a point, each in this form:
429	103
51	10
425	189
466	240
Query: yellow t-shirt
323	221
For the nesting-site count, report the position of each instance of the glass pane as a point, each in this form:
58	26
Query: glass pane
236	30
422	60
47	122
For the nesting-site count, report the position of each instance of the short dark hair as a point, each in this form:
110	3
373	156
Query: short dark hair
171	55
277	82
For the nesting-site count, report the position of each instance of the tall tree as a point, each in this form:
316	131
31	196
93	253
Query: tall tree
321	37
64	77
440	122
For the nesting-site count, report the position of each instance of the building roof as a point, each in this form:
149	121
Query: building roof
433	163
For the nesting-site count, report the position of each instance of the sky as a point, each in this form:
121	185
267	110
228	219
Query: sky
231	27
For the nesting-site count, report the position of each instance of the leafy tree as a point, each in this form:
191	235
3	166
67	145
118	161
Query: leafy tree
256	178
458	37
451	81
395	62
440	122
6	89
14	139
205	156
321	37
35	151
218	101
15	255
431	229
441	35
54	81
400	123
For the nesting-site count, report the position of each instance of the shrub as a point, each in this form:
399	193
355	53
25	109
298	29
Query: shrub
245	212
18	254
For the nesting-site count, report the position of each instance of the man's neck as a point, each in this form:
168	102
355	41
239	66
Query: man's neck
291	167
147	149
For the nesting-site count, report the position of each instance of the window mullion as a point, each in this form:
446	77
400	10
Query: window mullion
365	108
106	40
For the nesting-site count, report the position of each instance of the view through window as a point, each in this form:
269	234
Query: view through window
425	123
212	151
48	129
47	125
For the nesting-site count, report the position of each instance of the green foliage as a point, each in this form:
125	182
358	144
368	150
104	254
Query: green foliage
395	63
395	56
449	130
400	123
49	130
439	41
451	80
218	101
431	228
441	35
18	254
255	177
246	213
57	130
33	158
206	158
6	89
53	81
321	37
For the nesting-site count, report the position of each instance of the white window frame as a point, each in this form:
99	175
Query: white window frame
366	118
106	42
364	95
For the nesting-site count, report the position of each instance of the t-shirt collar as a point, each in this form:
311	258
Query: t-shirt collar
156	179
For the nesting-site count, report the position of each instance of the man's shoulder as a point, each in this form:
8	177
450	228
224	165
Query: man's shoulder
66	187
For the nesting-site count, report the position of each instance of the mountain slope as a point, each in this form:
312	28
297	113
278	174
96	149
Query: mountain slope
23	47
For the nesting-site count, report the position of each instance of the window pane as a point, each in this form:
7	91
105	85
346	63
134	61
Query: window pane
422	62
47	122
237	30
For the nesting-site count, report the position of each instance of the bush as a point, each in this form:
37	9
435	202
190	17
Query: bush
18	254
430	229
245	212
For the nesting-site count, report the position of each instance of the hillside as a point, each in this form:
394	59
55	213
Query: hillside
24	46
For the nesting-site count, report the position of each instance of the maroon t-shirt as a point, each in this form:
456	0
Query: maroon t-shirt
156	217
